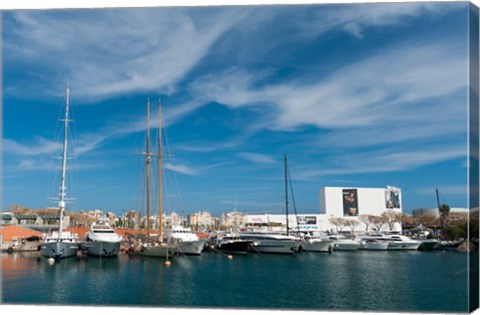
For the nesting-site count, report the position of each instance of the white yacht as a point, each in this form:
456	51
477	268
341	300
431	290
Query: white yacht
341	243
400	242
272	243
187	241
317	244
102	240
62	244
373	243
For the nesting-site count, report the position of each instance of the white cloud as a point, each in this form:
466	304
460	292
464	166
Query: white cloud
190	170
257	158
355	18
375	90
105	53
40	146
380	161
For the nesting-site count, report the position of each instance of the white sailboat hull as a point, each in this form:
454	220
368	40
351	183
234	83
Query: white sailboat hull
59	249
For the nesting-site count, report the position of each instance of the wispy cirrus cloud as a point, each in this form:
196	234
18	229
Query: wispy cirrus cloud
191	170
110	52
376	90
355	19
39	146
257	158
381	161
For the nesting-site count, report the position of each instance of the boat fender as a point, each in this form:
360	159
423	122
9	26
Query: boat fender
330	249
10	250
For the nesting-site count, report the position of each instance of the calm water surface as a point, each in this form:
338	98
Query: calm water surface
380	281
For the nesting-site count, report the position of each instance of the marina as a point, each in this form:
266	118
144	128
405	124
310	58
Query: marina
306	281
294	157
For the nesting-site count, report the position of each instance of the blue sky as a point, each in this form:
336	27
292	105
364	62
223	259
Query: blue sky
357	95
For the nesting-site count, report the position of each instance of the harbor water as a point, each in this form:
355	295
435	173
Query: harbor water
406	281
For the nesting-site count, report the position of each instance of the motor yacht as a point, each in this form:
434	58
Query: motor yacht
102	240
188	242
273	243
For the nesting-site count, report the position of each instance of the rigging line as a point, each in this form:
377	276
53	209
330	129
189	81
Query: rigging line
293	199
175	180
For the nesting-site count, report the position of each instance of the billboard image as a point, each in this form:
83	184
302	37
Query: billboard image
392	198
350	202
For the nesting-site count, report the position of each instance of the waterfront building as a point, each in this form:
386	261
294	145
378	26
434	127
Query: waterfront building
348	207
201	220
232	220
173	219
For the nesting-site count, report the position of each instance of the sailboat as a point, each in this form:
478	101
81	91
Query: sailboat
275	243
151	247
62	244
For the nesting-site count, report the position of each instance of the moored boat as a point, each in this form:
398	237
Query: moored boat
233	244
62	244
272	243
400	242
153	247
316	244
341	243
428	245
372	243
187	242
102	240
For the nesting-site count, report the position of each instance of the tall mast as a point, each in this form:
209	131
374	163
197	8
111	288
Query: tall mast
286	190
147	166
160	199
438	200
61	203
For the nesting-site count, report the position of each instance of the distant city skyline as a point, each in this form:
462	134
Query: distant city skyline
356	95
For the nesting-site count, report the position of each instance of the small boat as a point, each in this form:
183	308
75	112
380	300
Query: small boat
62	244
102	240
373	243
187	242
